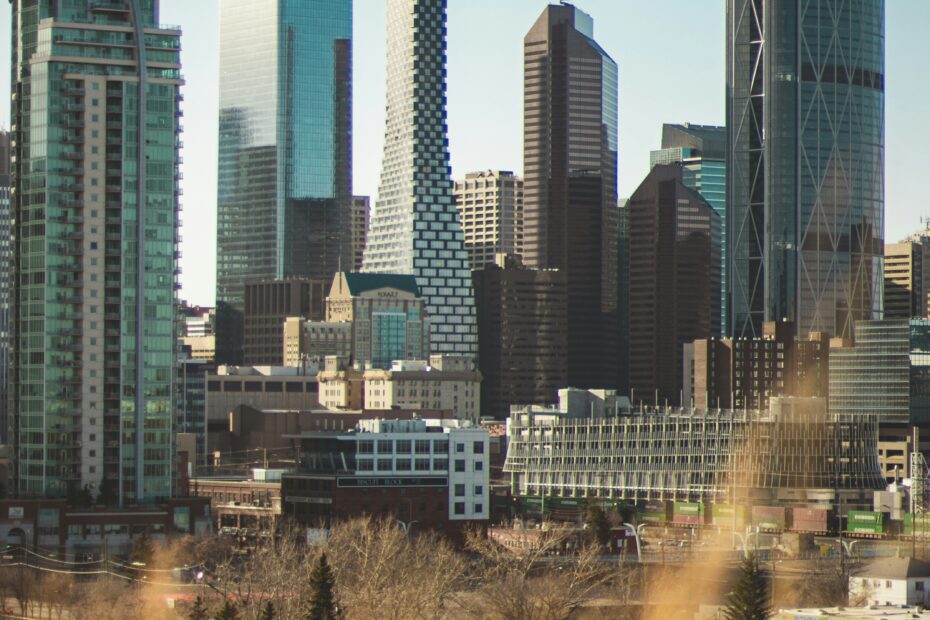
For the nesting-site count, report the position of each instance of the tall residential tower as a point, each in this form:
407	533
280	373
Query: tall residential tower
415	226
570	212
95	210
285	186
805	167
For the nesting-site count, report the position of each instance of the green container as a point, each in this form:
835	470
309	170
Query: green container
651	517
856	518
922	525
689	508
722	515
865	528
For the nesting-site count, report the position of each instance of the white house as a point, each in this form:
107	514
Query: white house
892	581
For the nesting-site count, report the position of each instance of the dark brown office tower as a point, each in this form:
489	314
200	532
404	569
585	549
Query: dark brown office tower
674	280
570	183
744	373
267	304
522	335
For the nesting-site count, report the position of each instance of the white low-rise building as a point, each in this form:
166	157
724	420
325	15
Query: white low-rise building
891	581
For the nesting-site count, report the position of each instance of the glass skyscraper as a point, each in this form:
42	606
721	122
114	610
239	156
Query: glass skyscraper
95	212
570	212
701	151
415	225
284	180
805	189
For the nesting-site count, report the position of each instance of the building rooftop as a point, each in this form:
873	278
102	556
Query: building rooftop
853	613
361	282
895	568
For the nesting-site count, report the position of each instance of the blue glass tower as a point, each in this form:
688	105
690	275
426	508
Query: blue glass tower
415	226
701	151
806	144
284	179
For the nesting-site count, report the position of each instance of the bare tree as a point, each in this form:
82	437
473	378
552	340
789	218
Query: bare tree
536	582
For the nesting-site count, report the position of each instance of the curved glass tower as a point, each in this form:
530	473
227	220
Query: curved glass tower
415	226
805	190
284	177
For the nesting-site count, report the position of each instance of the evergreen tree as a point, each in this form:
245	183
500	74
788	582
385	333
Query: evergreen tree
749	599
322	597
198	610
143	550
597	524
227	612
268	612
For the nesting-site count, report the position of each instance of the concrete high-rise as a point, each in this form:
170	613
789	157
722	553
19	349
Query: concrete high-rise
805	166
674	280
285	149
490	206
701	150
6	223
570	212
96	96
415	226
361	206
907	279
522	316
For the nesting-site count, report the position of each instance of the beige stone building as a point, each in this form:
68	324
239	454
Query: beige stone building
490	205
342	385
370	319
907	280
443	382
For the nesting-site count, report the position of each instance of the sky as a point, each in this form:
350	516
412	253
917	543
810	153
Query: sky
670	55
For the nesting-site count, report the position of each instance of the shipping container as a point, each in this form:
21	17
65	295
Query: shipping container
864	522
922	526
817	520
688	519
769	517
654	512
688	508
723	515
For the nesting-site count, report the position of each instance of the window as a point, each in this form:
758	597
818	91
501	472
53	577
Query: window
441	464
919	586
459	508
460	447
403	465
478	447
421	464
422	446
479	465
460	490
441	446
366	446
479	489
479	508
365	465
459	464
384	446
888	584
384	465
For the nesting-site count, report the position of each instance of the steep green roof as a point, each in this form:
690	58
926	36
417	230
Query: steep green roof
361	282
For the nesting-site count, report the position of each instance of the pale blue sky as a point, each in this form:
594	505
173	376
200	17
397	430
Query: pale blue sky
671	59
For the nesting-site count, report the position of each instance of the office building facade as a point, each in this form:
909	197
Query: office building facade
5	283
415	226
701	150
361	207
490	205
372	319
285	152
94	249
674	280
805	178
907	279
570	215
522	335
267	305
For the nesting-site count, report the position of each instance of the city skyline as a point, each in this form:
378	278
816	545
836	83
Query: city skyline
486	127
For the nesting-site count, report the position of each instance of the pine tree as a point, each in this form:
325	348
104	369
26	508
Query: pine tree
143	551
268	612
597	524
749	599
198	610
322	598
227	612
